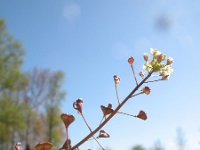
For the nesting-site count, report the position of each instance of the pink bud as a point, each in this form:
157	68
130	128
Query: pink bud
146	90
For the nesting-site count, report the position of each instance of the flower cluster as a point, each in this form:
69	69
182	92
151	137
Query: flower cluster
159	63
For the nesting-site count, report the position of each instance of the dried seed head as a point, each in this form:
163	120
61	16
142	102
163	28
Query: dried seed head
67	119
44	146
142	115
116	79
146	90
78	105
103	134
131	60
107	110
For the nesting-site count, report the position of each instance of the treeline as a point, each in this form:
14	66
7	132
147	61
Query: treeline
180	143
29	101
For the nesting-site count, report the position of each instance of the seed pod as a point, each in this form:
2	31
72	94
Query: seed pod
131	60
142	115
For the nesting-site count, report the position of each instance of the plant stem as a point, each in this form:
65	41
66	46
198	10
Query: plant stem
113	113
134	75
116	90
136	94
123	113
91	131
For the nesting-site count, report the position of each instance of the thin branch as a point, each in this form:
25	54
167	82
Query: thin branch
123	113
117	95
134	74
136	94
113	113
102	119
91	131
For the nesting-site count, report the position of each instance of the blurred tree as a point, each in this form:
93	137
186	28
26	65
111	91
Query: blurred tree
158	146
12	82
52	107
43	96
181	141
29	102
11	58
138	147
34	96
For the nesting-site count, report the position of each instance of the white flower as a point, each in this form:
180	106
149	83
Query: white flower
164	75
155	52
147	67
168	69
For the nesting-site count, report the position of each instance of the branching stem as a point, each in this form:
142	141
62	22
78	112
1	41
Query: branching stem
91	131
136	94
113	113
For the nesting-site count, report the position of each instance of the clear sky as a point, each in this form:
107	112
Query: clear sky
91	41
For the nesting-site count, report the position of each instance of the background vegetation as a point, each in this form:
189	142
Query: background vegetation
29	100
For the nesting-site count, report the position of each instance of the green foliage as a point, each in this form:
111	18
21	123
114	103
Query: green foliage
11	119
12	82
11	58
29	102
138	147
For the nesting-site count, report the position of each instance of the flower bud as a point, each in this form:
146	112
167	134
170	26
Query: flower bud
170	61
116	79
131	60
164	75
159	57
141	74
146	56
146	90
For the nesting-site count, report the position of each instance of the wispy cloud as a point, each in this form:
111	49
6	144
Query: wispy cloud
72	12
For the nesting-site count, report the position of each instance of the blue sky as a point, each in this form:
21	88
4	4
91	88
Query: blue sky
91	41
